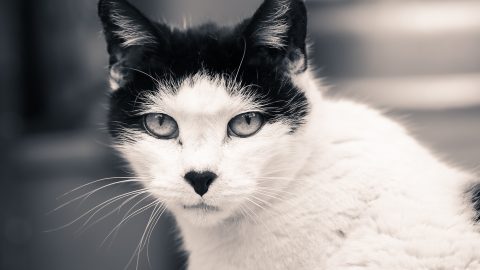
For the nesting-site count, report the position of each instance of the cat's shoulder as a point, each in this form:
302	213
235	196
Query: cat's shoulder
358	119
351	108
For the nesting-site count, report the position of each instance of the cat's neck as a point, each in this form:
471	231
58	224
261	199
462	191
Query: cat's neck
243	236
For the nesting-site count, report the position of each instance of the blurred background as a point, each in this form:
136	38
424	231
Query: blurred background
418	59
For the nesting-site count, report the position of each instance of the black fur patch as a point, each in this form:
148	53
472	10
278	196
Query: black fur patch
474	194
211	49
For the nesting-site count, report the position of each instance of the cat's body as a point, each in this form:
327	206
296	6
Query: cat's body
367	197
316	184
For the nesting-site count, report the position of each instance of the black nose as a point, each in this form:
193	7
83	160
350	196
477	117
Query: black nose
200	181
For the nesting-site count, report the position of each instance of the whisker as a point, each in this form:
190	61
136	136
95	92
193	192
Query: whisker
146	74
88	194
103	204
260	200
140	244
273	178
241	61
258	205
277	196
144	240
135	195
96	181
268	195
253	213
248	214
133	214
151	232
275	190
126	214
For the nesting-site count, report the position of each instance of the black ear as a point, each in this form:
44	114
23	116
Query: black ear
279	28
124	25
129	35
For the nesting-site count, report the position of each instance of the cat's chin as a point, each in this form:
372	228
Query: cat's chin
201	214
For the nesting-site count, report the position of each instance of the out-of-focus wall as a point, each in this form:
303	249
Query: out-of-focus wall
195	12
404	54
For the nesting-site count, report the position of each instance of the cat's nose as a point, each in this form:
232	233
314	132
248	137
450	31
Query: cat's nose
200	181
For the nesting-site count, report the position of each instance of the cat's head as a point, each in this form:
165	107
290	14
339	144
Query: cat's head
209	118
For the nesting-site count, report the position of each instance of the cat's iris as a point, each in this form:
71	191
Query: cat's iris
245	124
161	125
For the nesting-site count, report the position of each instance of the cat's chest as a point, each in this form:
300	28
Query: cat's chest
255	252
264	246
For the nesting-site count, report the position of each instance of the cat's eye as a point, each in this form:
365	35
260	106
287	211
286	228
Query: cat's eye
161	125
245	124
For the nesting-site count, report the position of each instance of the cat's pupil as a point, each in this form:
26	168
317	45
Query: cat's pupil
248	119
161	119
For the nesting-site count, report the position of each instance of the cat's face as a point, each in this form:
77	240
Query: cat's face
209	118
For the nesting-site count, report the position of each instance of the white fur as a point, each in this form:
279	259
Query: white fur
349	190
115	79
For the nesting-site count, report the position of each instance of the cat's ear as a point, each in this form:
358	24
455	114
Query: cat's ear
278	30
124	25
129	34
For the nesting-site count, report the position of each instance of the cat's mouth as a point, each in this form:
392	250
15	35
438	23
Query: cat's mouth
201	206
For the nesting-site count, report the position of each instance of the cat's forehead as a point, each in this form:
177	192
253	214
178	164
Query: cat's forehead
200	95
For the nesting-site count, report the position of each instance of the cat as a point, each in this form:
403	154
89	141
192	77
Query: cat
230	131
